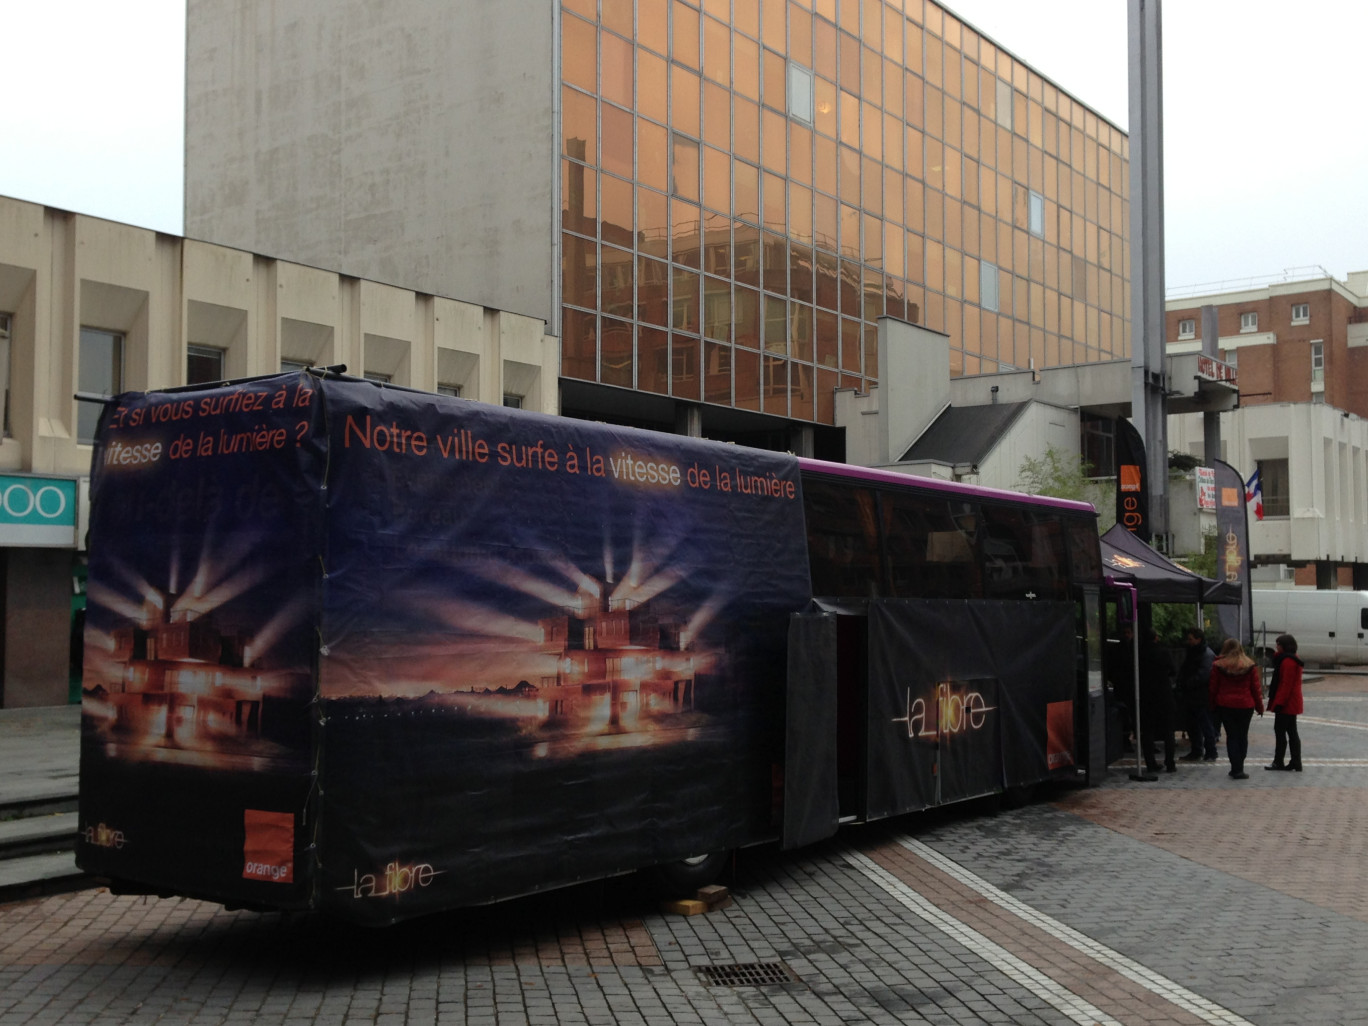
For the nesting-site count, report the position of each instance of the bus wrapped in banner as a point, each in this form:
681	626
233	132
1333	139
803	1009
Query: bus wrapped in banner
379	652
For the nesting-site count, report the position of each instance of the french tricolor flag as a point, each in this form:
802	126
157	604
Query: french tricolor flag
1254	493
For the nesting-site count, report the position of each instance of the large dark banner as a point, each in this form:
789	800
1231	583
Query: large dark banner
1232	550
551	650
989	705
200	639
1132	493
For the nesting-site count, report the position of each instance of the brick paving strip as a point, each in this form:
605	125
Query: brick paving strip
1082	978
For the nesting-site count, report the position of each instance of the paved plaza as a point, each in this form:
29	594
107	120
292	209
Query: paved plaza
1192	899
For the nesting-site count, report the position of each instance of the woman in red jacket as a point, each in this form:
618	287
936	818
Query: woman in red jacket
1236	691
1285	699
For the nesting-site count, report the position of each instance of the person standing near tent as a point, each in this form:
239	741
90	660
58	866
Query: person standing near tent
1236	692
1156	702
1285	699
1194	681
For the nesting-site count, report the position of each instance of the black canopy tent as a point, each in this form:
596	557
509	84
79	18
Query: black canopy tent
1156	577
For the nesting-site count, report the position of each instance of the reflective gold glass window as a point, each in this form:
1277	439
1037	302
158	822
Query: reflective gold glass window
652	94
824	109
828	338
684	39
746	71
774	257
800	276
800	213
616	281
746	253
776	142
746	129
652	153
653	291
617	15
653	363
716	180
684	168
746	317
653	24
716	116
772	194
717	369
617	356
685	94
747	379
579	271
618	73
686	382
800	35
747	180
800	153
772	29
653	222
776	82
579	53
616	206
617	142
685	235
579	126
716	50
579	344
578	208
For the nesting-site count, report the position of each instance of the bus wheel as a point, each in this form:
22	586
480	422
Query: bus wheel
688	875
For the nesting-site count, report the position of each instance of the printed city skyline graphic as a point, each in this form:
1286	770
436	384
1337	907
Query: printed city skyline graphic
194	656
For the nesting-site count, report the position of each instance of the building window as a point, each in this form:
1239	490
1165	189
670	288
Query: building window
203	365
5	322
988	286
452	390
1249	321
100	372
377	376
1276	494
1301	313
513	402
800	93
1187	328
1037	214
1003	111
1317	364
292	365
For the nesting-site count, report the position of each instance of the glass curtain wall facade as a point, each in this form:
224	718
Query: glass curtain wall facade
748	185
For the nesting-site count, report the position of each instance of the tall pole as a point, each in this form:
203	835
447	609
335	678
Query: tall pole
1148	379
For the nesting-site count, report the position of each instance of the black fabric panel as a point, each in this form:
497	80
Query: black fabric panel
811	806
966	686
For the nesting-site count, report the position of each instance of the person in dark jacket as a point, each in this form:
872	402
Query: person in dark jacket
1236	691
1285	699
1156	702
1194	680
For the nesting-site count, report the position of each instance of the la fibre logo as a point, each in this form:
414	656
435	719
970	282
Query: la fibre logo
955	708
102	836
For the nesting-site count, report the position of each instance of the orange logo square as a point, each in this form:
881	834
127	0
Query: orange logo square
268	846
1130	477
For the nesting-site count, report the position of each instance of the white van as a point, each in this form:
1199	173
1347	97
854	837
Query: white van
1331	627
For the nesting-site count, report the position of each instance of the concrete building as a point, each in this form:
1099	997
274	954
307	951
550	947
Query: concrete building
88	305
1300	344
713	204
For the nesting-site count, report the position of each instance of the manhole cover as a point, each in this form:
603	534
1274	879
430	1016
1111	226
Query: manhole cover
747	974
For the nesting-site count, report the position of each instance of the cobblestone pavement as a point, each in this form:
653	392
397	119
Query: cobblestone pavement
1192	899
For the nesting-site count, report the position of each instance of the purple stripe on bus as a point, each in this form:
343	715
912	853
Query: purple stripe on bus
935	484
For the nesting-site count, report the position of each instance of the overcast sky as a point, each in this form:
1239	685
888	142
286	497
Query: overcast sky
1266	159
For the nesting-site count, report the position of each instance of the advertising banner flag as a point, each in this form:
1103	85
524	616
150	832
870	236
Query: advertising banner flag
1232	548
1132	497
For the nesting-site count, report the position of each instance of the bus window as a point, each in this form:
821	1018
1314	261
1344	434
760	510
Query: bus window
1023	554
1085	556
843	539
930	546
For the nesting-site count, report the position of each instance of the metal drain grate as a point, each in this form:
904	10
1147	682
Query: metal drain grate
747	974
